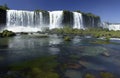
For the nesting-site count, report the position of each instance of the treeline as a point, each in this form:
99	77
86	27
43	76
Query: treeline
94	32
88	14
4	7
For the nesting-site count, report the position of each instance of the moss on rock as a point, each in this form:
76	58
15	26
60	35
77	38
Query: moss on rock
7	33
67	38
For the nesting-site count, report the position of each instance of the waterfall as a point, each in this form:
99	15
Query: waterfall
24	21
38	19
78	21
33	21
114	27
56	19
93	24
30	21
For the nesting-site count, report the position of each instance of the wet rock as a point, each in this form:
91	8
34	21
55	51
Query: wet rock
73	74
74	66
105	54
88	75
107	75
7	33
67	38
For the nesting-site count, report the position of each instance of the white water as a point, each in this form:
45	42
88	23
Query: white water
23	21
30	21
20	18
56	19
114	27
111	26
78	21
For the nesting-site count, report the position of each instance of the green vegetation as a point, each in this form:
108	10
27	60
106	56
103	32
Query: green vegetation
88	75
94	32
4	7
67	38
87	14
101	42
91	15
74	57
107	75
43	67
107	39
46	63
101	75
79	11
7	33
40	11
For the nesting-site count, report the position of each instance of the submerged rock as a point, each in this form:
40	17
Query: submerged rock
38	35
74	66
88	75
67	38
73	74
107	75
105	54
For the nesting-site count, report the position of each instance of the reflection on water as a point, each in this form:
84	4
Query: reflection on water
80	51
25	47
54	50
54	40
76	40
73	74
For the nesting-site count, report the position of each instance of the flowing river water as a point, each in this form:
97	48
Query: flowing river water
80	54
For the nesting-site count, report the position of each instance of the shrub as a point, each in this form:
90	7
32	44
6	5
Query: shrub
67	38
107	39
107	75
88	75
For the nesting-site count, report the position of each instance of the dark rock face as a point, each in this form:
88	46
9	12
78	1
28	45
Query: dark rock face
2	17
46	17
91	21
67	18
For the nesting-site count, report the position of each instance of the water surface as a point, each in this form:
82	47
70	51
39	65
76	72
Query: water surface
81	53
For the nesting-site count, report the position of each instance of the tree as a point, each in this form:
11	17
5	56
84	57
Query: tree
4	7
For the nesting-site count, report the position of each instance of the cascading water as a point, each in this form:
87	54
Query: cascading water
33	21
20	18
38	19
78	21
23	21
56	19
114	27
92	22
29	21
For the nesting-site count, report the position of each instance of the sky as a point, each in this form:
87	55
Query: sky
108	10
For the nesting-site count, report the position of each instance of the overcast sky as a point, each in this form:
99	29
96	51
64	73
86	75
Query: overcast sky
108	10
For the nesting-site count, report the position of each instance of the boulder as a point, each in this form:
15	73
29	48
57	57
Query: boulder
7	33
105	54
